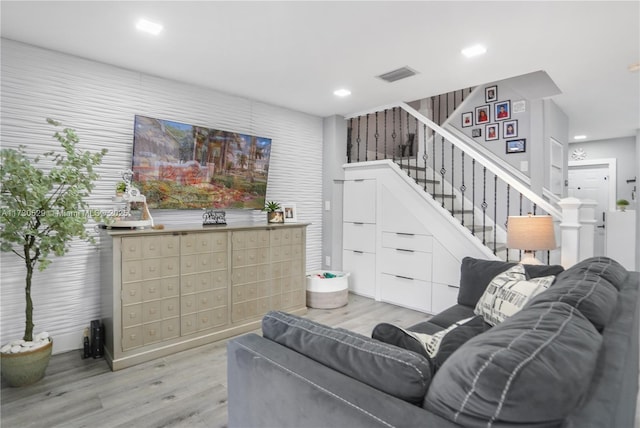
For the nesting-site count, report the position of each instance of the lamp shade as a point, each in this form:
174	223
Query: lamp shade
531	232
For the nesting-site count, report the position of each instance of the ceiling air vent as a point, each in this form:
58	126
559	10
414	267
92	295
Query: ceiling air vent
401	73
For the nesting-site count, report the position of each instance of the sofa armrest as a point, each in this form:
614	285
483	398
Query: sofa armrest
271	385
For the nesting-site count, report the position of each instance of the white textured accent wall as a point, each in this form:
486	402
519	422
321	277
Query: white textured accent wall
99	101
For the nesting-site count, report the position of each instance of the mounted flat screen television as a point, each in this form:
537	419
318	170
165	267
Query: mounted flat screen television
181	166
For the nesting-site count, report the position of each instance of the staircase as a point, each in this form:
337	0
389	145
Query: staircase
469	185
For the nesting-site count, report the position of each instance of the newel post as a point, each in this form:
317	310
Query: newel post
577	230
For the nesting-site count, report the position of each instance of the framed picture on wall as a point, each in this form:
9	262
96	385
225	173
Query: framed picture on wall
509	129
516	146
490	94
290	213
482	115
491	132
503	110
467	119
476	132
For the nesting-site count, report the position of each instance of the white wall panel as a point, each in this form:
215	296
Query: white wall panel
99	101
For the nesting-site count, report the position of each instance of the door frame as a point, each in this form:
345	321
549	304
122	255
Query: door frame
610	164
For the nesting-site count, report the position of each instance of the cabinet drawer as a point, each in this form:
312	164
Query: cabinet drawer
443	296
196	243
188	304
219	241
131	337
219	261
151	290
170	286
359	201
219	279
151	268
407	263
151	311
408	241
131	293
170	266
131	248
170	308
152	332
220	316
170	328
362	267
359	237
131	315
131	271
410	293
188	324
204	301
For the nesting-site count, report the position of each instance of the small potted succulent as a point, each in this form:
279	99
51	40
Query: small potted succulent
121	187
622	204
274	212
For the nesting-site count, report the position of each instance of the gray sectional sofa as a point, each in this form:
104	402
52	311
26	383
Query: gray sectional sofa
568	358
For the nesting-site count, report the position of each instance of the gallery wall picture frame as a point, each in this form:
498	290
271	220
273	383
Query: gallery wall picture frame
502	110
482	114
509	129
476	132
491	132
516	146
467	119
491	94
290	213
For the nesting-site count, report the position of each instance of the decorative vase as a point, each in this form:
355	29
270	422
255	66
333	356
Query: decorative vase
275	217
25	368
622	208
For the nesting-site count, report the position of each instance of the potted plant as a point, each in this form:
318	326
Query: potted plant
43	209
121	187
274	212
622	204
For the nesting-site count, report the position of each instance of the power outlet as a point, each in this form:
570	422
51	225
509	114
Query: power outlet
327	261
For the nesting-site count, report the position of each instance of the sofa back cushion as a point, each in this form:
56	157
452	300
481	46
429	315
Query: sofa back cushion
396	371
476	274
532	370
587	287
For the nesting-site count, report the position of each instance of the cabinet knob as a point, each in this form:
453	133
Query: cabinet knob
152	332
170	307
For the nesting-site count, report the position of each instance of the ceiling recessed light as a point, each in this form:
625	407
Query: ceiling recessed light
474	50
580	137
342	92
149	27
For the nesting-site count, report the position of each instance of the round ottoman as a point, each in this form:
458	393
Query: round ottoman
327	292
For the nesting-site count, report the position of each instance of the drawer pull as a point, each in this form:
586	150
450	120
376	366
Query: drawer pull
405	250
453	286
358	252
405	234
404	277
358	223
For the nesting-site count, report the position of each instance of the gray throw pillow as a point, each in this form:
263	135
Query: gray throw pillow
391	369
530	370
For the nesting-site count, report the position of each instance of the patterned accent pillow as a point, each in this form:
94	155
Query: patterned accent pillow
508	292
438	346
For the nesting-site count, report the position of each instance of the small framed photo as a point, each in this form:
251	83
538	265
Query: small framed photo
476	132
467	119
490	94
503	110
491	132
517	146
290	213
482	115
509	129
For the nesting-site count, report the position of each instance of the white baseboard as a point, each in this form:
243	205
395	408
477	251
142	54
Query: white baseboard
67	342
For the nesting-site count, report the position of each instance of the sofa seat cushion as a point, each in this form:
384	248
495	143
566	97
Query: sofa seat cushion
530	370
476	274
508	292
447	317
396	371
437	346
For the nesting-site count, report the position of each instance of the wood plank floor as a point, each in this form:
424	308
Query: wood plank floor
187	389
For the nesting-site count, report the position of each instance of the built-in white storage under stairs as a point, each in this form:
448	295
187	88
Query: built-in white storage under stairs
401	246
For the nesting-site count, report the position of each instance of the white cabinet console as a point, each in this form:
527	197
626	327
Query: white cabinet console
165	291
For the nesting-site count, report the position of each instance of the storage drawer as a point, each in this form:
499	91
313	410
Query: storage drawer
362	267
408	241
407	263
359	237
410	293
443	296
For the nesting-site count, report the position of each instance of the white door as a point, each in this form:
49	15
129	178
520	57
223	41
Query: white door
592	182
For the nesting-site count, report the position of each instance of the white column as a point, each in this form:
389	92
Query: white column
577	230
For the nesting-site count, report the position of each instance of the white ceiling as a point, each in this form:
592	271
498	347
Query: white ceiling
295	54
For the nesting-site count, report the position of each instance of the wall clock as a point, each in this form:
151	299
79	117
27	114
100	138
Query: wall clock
578	154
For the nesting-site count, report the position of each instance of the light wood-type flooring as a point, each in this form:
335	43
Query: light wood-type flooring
187	389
